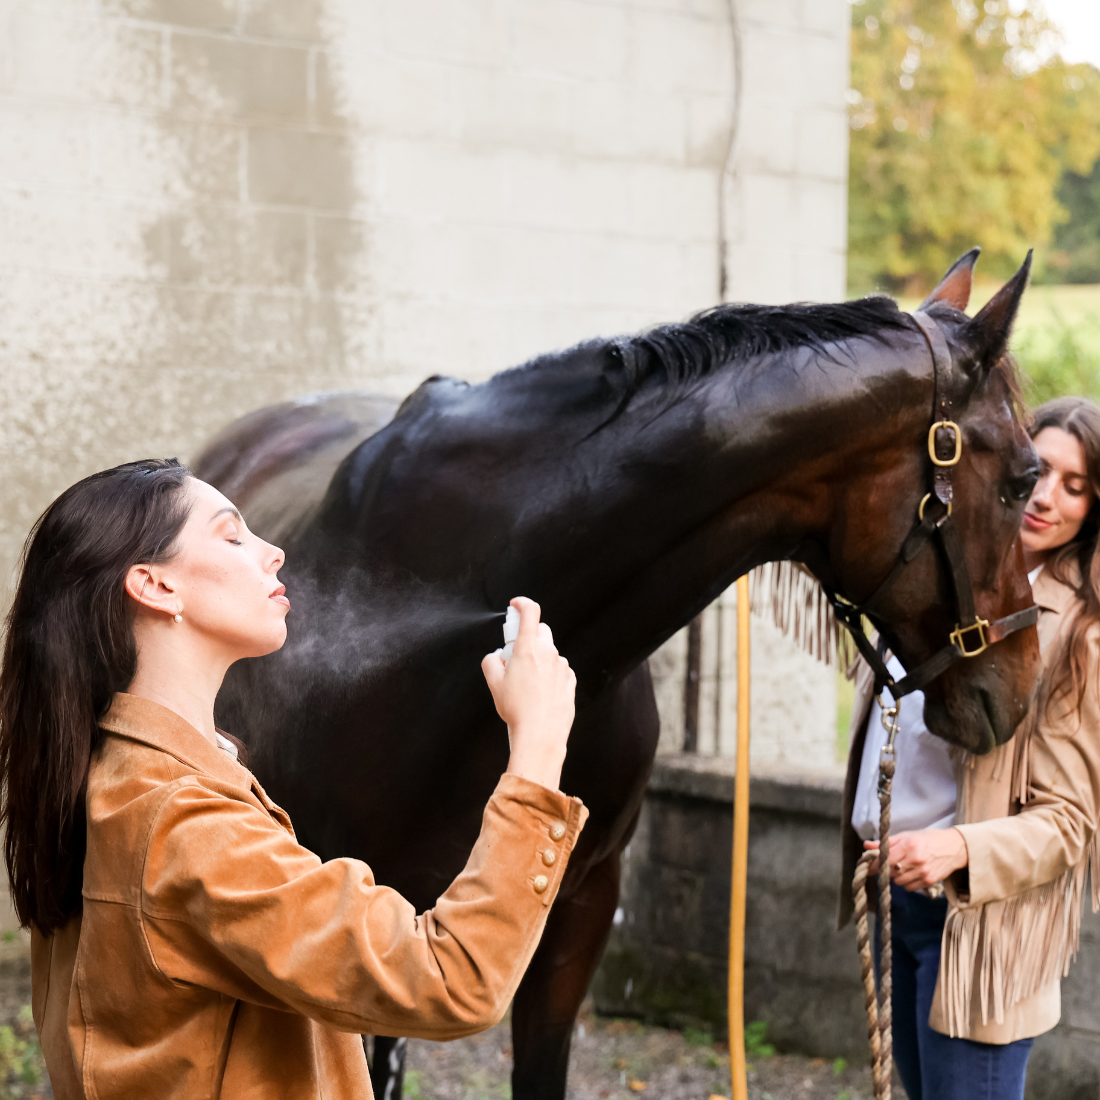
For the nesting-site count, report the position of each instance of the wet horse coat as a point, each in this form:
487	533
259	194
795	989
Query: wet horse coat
624	484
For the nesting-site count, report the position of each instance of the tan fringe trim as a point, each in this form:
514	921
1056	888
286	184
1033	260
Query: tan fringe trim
1012	948
1094	871
791	597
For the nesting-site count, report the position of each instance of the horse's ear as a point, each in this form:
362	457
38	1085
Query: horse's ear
954	287
986	334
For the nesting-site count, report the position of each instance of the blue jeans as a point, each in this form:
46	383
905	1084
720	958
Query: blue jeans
933	1066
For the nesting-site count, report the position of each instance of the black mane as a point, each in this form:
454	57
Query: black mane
680	353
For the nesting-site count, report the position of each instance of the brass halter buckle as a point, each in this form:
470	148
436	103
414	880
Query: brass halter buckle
953	460
959	632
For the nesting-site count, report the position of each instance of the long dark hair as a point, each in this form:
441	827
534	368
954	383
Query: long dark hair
69	647
1077	563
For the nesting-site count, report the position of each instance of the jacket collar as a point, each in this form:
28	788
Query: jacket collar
1051	594
151	724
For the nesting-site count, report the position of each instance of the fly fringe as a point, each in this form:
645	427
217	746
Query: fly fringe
789	595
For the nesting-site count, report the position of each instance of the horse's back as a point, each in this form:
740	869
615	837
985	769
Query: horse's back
276	463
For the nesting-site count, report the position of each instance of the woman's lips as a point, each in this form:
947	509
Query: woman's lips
1035	523
279	596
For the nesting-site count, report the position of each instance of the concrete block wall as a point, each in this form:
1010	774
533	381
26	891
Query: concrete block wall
793	702
176	196
789	198
667	957
211	205
538	173
553	175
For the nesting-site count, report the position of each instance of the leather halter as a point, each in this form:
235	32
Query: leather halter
972	635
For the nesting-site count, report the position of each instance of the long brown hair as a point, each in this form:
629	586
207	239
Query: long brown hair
69	647
1077	563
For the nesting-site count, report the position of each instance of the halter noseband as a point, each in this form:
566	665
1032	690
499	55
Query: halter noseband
972	635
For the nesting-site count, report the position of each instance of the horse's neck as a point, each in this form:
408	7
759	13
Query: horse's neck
625	527
753	486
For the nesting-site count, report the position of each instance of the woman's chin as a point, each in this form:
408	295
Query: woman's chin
1037	542
260	645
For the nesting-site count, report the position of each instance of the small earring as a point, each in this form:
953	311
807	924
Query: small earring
178	617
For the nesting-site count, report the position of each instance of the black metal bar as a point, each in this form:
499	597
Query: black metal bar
691	684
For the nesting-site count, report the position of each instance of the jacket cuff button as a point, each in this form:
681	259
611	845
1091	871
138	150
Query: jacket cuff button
549	857
540	884
557	830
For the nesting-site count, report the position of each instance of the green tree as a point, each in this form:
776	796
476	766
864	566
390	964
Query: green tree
1075	252
963	122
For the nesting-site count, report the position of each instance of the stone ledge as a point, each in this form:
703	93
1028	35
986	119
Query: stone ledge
712	777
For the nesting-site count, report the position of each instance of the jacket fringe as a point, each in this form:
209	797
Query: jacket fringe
1012	948
1015	947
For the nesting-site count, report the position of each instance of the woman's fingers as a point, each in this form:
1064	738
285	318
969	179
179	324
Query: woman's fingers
529	615
492	667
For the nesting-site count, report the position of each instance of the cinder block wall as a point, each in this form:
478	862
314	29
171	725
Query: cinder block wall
210	205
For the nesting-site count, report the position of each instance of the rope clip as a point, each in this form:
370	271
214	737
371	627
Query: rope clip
889	721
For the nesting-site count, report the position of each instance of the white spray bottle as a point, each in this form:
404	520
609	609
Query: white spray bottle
511	632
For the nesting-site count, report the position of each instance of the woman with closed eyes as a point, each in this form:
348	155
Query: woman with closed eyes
184	945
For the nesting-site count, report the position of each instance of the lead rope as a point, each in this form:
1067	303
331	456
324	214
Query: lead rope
880	1032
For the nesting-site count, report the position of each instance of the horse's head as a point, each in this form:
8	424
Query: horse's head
979	700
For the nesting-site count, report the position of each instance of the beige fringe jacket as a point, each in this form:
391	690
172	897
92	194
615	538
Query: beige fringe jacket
1029	813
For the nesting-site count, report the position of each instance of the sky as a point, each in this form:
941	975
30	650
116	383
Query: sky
1079	21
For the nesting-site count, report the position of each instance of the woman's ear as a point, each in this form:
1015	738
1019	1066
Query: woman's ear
148	586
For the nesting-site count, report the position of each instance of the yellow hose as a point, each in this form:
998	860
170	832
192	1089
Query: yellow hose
739	873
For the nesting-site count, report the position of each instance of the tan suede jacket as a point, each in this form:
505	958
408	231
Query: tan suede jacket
216	957
1029	812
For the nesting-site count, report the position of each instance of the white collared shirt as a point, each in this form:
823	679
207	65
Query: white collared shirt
226	745
924	789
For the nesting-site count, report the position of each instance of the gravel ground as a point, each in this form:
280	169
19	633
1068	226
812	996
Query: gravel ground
611	1060
624	1060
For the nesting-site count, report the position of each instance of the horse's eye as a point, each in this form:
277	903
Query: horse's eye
1019	488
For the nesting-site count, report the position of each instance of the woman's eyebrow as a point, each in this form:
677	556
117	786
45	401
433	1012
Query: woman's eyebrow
230	511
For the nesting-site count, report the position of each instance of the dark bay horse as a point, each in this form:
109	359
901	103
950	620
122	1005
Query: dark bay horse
623	484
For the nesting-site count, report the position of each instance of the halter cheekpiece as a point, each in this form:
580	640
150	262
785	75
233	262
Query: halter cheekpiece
972	635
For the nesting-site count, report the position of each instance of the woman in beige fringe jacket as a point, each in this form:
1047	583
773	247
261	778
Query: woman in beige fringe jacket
1010	835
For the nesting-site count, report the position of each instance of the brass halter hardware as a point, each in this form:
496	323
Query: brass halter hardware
960	632
978	634
953	460
923	501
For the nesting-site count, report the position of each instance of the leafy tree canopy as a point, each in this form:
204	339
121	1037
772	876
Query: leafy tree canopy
1075	254
964	120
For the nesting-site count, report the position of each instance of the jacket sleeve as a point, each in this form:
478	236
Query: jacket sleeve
1055	826
231	902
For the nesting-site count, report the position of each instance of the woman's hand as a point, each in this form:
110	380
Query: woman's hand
921	859
534	695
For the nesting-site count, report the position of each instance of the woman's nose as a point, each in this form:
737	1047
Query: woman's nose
1040	495
277	558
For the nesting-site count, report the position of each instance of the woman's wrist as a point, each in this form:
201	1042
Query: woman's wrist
962	854
539	764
